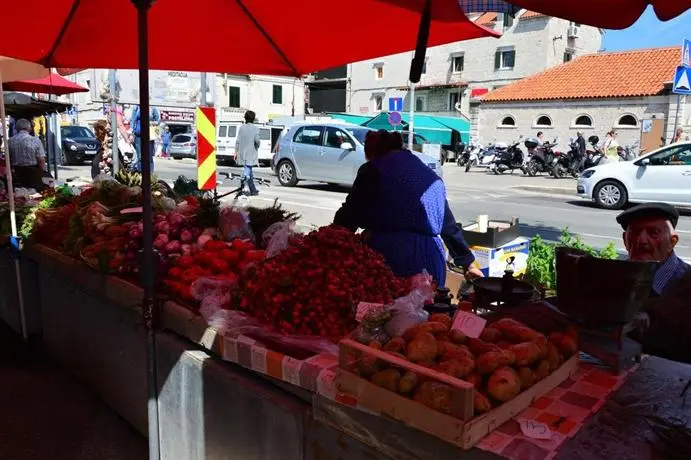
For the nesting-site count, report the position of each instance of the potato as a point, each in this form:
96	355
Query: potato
397	345
553	357
504	345
422	348
441	318
448	350
490	335
479	347
433	328
407	383
457	336
368	365
435	395
542	370
565	344
445	337
526	353
488	362
475	379
504	384
508	358
542	343
458	368
481	403
514	331
374	344
527	377
388	378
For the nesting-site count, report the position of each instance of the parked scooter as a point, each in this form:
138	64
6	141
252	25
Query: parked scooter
464	154
510	159
595	155
629	152
568	163
540	156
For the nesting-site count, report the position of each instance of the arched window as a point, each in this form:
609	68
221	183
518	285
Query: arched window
628	121
543	120
508	121
583	120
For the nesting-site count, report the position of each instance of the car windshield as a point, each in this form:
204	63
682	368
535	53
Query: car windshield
359	133
76	131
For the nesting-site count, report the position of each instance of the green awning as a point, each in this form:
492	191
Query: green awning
436	129
350	118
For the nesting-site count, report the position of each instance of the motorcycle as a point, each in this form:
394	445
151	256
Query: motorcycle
510	159
567	163
464	154
628	153
540	157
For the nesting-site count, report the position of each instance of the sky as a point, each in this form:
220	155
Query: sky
649	32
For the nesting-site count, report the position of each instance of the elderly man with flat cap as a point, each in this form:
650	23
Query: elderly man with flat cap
665	322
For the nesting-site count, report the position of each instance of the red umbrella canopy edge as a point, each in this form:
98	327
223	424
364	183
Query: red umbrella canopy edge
241	36
52	84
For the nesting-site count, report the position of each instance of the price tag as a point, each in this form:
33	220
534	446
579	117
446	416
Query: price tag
132	210
535	430
468	323
363	308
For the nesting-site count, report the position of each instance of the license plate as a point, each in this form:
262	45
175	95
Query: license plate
90	152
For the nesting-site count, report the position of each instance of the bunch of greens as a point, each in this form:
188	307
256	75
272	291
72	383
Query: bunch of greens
541	269
188	187
262	218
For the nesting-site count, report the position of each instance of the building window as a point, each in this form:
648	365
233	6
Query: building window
505	58
454	98
508	122
583	121
234	96
508	21
568	55
457	63
378	102
420	103
277	94
543	121
379	71
627	121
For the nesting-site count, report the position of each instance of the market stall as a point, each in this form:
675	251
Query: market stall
231	339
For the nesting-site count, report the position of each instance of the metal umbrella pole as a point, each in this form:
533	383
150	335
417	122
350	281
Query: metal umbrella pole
13	216
148	269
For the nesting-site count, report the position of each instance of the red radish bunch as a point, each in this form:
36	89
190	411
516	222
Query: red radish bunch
313	286
215	259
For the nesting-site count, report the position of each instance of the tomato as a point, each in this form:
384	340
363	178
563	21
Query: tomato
241	245
215	246
254	255
230	256
184	261
219	266
205	258
175	272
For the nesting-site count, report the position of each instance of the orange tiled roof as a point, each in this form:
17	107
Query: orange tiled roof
606	75
486	19
527	14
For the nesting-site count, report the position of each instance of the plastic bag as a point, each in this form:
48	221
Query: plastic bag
235	223
277	237
409	310
213	296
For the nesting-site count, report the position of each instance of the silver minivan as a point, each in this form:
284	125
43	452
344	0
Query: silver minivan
326	152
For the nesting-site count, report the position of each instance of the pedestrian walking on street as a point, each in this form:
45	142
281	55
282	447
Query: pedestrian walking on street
135	125
165	140
247	150
678	135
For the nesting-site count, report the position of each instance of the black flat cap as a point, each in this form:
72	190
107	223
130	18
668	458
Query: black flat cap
647	211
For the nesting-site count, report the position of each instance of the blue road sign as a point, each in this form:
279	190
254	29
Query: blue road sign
686	53
682	80
395	104
395	118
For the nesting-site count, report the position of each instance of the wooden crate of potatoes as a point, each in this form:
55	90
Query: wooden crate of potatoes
436	379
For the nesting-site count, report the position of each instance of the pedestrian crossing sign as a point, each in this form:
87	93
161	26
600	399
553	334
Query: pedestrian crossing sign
682	80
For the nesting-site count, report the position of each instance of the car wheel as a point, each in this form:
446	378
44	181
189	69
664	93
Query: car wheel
67	159
287	176
611	194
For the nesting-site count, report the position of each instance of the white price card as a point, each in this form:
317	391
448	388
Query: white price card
535	430
468	323
363	308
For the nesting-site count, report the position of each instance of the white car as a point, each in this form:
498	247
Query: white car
662	175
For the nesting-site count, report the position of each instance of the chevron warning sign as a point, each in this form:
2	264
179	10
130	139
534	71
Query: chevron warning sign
206	148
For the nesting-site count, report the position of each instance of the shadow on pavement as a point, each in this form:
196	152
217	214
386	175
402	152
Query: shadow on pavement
46	414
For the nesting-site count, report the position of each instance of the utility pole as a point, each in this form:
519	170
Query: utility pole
411	116
112	83
203	87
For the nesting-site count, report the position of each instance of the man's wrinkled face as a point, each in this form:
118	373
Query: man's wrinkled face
650	240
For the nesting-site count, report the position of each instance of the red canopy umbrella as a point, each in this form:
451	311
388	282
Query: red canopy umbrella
52	84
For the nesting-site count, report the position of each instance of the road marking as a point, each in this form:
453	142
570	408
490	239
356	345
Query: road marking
303	205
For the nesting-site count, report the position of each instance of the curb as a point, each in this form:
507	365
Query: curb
545	189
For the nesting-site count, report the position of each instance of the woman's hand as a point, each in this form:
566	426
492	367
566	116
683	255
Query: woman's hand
472	273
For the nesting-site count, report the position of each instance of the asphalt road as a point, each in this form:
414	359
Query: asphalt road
544	206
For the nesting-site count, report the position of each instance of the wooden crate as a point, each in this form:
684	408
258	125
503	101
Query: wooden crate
460	429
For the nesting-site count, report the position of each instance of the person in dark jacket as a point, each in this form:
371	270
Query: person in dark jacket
664	325
401	204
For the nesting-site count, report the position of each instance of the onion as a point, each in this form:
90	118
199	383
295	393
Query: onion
201	241
175	218
162	227
161	241
186	236
186	249
173	247
135	233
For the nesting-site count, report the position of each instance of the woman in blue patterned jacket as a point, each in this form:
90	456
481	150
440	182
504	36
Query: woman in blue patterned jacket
401	203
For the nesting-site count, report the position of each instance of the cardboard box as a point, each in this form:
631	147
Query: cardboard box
492	261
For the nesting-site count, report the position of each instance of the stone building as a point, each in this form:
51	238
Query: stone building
629	92
456	72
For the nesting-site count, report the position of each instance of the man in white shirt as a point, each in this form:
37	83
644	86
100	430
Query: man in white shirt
27	156
247	149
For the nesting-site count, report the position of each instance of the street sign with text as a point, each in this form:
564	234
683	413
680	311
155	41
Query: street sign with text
682	80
